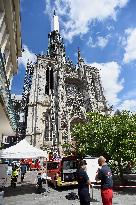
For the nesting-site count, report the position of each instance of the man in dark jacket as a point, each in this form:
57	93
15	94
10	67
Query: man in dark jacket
83	184
104	174
23	168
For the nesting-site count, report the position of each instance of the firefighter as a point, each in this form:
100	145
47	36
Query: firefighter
14	176
83	183
104	174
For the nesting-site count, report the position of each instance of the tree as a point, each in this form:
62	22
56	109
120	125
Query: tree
69	148
111	136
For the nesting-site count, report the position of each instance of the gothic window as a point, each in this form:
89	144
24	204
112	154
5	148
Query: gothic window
51	79
47	82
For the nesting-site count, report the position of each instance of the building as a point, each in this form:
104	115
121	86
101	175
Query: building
10	50
60	93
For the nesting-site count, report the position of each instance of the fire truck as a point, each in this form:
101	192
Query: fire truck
32	164
62	172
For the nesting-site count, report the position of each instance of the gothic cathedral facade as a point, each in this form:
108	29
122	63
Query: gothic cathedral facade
60	95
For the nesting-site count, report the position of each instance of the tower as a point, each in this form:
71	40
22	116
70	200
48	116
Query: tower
61	93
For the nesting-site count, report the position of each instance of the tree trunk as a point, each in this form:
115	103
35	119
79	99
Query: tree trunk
121	173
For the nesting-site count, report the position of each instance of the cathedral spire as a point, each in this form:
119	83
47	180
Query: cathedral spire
78	54
80	59
56	46
55	22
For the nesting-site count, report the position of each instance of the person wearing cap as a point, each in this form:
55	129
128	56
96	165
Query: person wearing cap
83	183
105	175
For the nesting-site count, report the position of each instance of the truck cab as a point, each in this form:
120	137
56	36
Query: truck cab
62	172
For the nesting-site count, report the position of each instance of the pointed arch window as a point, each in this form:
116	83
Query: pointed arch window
49	80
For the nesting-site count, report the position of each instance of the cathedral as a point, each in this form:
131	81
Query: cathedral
60	94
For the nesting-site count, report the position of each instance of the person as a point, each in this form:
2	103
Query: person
37	164
17	169
23	169
14	176
83	183
42	177
105	176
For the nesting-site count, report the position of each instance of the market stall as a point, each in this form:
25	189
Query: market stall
22	150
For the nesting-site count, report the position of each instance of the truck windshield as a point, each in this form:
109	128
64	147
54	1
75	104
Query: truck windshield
69	165
52	165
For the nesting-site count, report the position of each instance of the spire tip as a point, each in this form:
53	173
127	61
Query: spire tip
55	22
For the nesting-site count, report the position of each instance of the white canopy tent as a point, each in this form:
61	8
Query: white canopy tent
22	150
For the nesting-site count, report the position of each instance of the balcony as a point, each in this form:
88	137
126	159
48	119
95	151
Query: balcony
8	122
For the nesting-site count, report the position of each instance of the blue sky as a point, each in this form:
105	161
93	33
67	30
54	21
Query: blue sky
105	31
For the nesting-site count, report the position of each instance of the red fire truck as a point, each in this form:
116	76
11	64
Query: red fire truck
62	172
32	164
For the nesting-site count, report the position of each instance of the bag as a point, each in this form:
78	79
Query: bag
71	196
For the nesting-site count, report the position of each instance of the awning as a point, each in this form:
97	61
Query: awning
22	150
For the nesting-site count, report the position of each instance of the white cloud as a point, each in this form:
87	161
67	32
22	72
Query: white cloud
110	73
110	28
129	105
78	14
26	55
130	45
102	42
16	97
99	42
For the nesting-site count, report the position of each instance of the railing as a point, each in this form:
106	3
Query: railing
5	94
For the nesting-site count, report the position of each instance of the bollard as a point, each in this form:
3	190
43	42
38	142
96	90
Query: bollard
1	197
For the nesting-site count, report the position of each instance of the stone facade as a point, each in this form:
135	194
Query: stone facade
10	35
10	50
60	95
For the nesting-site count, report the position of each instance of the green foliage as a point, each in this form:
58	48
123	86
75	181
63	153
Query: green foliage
111	136
66	149
69	148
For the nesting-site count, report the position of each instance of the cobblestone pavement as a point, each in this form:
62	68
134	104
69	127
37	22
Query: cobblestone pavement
25	194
